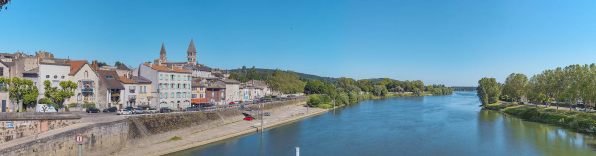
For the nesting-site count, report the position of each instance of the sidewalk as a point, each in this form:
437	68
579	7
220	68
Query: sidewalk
223	132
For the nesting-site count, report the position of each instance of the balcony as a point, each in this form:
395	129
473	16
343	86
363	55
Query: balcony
132	87
113	95
132	96
86	90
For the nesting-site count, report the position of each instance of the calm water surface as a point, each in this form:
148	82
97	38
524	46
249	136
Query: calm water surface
429	125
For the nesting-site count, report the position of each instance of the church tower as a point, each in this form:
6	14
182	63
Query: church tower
162	54
191	53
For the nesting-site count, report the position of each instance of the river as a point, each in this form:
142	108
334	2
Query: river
428	125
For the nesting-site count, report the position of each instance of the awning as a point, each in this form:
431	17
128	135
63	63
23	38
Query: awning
199	101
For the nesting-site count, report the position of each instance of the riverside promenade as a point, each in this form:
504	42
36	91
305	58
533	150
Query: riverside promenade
227	131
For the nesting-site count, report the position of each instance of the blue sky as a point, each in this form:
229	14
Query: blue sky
448	42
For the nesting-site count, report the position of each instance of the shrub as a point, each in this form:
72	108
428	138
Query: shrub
45	101
313	100
73	104
325	106
87	105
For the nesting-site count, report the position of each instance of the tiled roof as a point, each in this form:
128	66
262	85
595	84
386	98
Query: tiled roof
230	81
140	79
75	66
113	82
218	84
7	64
127	80
163	68
122	67
32	71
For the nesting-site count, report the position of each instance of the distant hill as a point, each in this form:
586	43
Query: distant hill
310	76
375	80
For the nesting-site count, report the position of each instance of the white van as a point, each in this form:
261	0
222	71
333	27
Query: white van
47	107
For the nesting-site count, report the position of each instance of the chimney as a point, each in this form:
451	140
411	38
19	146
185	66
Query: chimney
149	63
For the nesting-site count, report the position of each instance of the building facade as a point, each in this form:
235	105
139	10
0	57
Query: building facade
232	90
54	73
144	99
86	79
171	86
130	94
216	93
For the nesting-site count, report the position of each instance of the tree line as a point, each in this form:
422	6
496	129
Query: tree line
573	84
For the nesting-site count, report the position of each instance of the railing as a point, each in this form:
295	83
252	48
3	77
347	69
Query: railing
87	90
132	87
132	96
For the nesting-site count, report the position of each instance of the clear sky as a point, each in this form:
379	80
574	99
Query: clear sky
448	42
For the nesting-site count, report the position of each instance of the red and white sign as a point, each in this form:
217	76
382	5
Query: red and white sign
79	139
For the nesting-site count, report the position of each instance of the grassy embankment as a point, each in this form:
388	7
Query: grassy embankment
575	120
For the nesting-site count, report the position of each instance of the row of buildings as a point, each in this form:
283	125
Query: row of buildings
152	84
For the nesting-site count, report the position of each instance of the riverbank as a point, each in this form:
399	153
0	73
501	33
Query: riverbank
577	121
233	129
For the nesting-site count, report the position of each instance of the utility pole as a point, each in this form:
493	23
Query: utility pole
262	111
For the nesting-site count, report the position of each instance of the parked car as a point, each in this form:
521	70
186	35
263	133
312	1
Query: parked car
123	111
92	109
151	110
165	110
231	103
194	108
249	118
138	111
130	108
111	109
45	108
267	114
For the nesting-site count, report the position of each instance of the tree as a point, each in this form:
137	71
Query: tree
233	76
353	97
344	82
380	90
22	91
354	88
488	91
313	100
313	86
286	82
514	85
429	88
59	95
117	63
417	92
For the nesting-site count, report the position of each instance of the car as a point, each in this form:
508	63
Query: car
267	114
231	103
92	109
123	111
194	108
138	111
45	108
111	109
249	118
130	108
151	110
165	110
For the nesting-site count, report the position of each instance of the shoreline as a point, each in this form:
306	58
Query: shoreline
245	132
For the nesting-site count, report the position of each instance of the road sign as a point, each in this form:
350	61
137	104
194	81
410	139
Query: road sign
79	139
9	124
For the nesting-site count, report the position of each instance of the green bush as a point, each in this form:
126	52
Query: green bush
45	101
325	106
73	104
313	100
87	105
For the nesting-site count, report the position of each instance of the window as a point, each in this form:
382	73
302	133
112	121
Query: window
1	71
79	97
178	95
194	96
62	77
47	76
172	102
160	95
201	95
109	76
172	94
212	94
184	78
173	77
165	95
86	74
201	88
166	76
178	86
221	94
55	76
161	76
178	77
145	89
194	88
